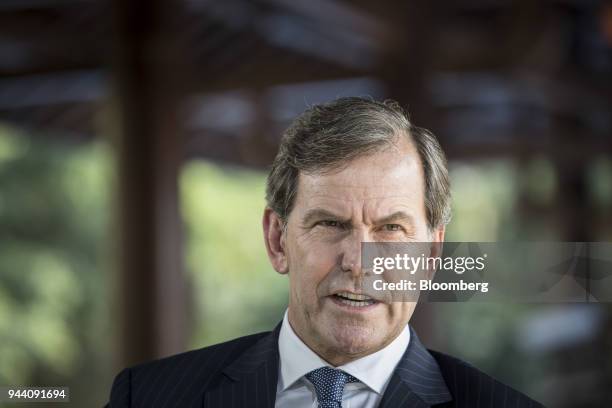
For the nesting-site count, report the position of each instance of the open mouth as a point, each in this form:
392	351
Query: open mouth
353	299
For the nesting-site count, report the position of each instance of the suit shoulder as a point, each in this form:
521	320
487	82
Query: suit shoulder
473	387
216	354
181	377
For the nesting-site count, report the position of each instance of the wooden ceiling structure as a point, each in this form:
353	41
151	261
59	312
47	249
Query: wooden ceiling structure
514	71
172	79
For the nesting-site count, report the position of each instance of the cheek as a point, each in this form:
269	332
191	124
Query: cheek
401	312
310	267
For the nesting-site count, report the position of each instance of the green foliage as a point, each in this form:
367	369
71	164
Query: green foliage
485	199
53	212
236	291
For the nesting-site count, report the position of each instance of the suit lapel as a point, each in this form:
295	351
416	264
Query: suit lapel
416	381
250	381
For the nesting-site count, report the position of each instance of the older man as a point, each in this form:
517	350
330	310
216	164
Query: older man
350	171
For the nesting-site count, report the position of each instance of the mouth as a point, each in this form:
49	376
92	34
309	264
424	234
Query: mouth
353	299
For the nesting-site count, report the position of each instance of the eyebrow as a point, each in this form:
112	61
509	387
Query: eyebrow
398	216
319	213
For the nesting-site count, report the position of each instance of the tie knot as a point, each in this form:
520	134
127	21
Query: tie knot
329	385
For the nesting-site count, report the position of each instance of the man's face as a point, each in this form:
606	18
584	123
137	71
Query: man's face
375	198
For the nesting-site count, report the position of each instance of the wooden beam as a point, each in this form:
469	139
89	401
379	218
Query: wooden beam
147	89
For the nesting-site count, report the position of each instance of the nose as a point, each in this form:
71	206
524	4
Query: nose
351	253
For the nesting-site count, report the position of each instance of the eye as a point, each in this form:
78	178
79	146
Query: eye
393	227
330	223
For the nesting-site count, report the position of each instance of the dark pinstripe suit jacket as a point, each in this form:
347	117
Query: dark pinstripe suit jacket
244	372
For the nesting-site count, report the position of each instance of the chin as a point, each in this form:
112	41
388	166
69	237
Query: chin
354	339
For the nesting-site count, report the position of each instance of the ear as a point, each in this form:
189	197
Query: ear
437	245
274	237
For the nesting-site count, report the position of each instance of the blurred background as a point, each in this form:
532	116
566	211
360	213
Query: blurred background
135	137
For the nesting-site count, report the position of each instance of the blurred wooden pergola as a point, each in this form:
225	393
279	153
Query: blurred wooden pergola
171	80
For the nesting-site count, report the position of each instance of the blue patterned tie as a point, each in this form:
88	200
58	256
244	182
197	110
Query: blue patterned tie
329	385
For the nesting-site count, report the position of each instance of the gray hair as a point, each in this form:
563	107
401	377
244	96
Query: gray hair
329	136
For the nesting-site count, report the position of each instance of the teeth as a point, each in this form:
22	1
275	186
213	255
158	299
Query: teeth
353	299
356	303
353	296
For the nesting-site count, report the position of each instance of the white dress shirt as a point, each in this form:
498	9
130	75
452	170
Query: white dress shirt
297	359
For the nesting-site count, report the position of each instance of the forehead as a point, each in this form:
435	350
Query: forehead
393	176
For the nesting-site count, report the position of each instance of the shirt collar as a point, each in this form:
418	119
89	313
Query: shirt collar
374	370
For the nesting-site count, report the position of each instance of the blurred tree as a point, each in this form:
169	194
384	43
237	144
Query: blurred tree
235	289
54	325
485	201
